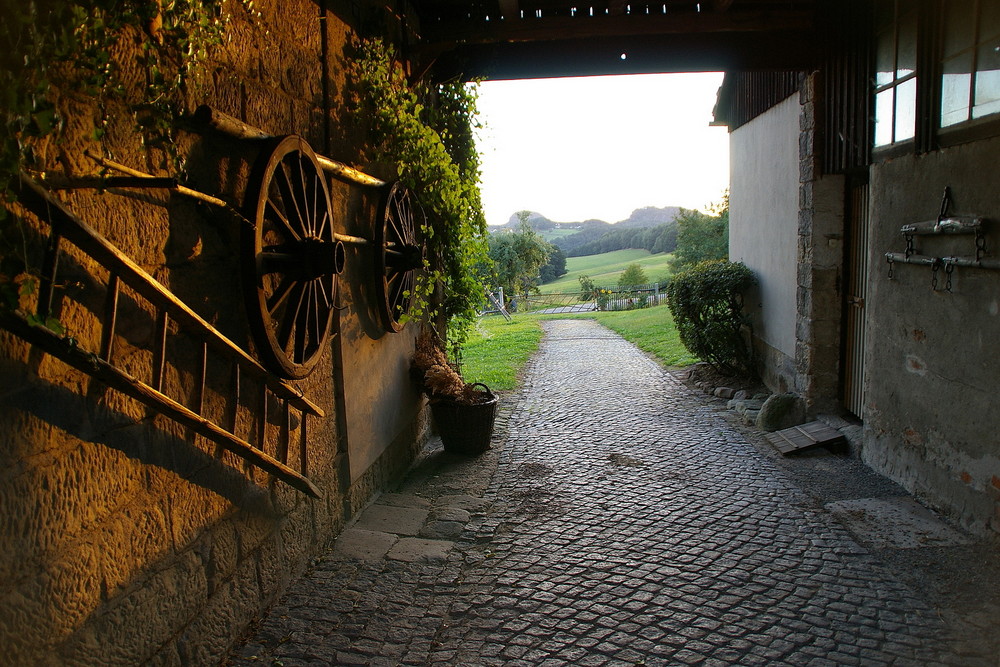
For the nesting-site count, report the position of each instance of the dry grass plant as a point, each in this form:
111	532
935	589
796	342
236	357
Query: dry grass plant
439	377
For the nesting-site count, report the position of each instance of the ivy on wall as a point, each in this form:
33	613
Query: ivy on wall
427	134
69	49
74	50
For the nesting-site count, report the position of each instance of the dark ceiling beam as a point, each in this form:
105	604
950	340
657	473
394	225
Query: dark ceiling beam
789	51
510	8
565	27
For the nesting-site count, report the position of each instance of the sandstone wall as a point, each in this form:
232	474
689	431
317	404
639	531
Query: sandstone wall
124	538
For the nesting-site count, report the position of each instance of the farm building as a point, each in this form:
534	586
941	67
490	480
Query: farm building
197	400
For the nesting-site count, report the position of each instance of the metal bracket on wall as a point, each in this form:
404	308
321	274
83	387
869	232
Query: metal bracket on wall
65	226
945	224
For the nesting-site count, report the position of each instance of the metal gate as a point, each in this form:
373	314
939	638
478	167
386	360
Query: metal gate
857	292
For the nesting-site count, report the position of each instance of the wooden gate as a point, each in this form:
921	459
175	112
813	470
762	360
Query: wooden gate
857	291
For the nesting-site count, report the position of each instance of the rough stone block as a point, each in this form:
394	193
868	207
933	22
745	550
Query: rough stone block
131	540
781	411
414	549
398	520
442	530
724	392
221	620
133	626
363	544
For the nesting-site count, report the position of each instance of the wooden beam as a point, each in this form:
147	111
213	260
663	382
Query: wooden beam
788	51
510	9
562	28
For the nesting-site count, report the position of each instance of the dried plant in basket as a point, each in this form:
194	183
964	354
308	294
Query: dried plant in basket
439	377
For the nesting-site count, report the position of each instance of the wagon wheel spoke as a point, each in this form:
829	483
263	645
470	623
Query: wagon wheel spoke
275	214
278	296
288	322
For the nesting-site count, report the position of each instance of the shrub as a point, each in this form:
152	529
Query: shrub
707	304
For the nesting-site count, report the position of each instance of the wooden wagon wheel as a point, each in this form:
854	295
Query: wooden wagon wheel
292	256
397	254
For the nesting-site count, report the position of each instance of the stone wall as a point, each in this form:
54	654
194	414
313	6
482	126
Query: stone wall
931	358
124	538
820	262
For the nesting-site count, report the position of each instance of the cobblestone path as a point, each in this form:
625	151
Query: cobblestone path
626	524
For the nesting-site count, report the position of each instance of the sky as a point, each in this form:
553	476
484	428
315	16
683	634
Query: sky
600	147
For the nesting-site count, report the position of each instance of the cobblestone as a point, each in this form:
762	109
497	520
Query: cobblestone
624	521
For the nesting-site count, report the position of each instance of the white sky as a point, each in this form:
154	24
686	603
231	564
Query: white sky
600	147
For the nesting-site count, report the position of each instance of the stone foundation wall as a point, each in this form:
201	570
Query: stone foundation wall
820	263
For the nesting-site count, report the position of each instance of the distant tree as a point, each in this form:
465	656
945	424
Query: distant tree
701	236
641	238
556	265
518	257
633	275
666	240
588	291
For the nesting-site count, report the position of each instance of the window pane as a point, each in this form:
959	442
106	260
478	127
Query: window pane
885	58
906	62
959	30
987	80
883	118
956	85
906	110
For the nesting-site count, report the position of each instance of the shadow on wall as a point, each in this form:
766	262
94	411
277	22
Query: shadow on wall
82	418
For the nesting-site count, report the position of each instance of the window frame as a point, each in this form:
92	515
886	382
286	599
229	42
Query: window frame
929	134
970	129
894	146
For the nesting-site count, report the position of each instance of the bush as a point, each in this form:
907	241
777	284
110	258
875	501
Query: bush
707	304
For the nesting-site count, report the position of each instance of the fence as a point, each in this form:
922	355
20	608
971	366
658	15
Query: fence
600	298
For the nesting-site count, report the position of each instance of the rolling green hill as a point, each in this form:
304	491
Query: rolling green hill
605	268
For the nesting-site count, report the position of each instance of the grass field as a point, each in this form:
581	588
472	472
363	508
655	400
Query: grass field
498	350
556	233
605	268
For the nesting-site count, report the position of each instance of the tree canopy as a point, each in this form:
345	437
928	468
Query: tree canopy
701	237
518	257
632	275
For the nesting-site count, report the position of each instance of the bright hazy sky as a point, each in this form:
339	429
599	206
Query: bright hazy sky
600	147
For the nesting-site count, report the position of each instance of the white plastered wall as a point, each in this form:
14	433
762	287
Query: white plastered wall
764	218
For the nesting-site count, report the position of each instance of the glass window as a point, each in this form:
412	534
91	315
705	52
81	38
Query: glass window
970	65
895	72
987	98
956	89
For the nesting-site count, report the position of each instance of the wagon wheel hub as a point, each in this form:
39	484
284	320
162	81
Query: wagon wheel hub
306	259
408	257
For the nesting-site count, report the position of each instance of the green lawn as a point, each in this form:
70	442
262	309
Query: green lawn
605	268
497	350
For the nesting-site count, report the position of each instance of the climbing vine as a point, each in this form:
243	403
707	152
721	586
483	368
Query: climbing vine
426	133
73	50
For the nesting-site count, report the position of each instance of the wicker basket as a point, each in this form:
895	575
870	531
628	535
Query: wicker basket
465	429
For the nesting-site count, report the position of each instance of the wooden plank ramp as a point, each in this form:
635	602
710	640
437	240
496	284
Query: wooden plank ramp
804	437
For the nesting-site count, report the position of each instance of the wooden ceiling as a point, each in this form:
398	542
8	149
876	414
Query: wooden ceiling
506	39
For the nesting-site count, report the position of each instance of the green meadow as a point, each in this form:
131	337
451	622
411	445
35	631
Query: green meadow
605	268
498	350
